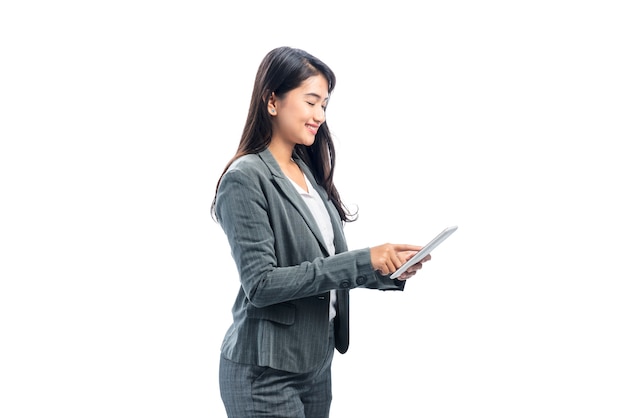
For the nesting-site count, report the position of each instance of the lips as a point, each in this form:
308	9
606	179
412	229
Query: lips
312	128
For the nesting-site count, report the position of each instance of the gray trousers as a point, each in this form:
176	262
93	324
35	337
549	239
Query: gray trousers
250	391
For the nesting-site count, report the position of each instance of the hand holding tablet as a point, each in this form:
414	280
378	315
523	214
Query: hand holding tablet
425	250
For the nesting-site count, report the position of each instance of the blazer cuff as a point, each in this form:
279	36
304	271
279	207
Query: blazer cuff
378	280
390	284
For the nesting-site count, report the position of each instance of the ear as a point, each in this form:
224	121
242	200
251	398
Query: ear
271	104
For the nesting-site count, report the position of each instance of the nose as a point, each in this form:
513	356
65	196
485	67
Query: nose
320	115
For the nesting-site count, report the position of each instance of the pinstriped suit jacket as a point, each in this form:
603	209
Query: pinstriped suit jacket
280	315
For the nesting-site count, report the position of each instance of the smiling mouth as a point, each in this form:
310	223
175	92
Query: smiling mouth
312	128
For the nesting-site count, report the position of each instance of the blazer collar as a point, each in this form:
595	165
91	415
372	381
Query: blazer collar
290	192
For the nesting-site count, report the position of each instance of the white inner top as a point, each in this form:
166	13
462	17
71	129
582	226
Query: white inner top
322	218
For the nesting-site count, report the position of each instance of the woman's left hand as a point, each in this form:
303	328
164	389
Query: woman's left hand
410	272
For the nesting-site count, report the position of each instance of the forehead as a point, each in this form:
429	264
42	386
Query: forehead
314	85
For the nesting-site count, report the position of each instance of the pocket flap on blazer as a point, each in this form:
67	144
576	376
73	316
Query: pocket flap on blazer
283	313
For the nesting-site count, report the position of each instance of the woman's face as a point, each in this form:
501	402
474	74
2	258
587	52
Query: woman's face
299	113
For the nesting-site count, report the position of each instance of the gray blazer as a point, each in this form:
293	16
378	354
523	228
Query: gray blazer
280	315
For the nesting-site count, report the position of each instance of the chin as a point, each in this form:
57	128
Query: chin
308	142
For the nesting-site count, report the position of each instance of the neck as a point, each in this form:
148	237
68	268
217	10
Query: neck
282	153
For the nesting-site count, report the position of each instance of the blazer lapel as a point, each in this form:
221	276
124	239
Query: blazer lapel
340	242
284	184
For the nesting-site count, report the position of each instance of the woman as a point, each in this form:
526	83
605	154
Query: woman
283	217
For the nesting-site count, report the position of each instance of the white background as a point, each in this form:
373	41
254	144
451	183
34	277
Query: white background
505	118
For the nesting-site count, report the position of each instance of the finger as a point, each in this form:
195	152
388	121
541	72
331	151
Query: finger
406	255
385	268
397	261
407	275
391	266
406	247
414	268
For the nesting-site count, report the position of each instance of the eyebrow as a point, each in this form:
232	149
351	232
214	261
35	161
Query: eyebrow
317	96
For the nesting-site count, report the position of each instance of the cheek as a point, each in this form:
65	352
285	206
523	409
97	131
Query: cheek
285	121
292	117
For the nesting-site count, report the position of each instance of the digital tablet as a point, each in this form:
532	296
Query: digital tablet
425	250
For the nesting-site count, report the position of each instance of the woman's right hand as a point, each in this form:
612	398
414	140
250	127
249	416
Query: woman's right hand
387	258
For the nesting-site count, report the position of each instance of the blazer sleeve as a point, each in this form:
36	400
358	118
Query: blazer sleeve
243	210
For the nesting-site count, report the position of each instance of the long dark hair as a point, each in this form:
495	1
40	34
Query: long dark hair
282	70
